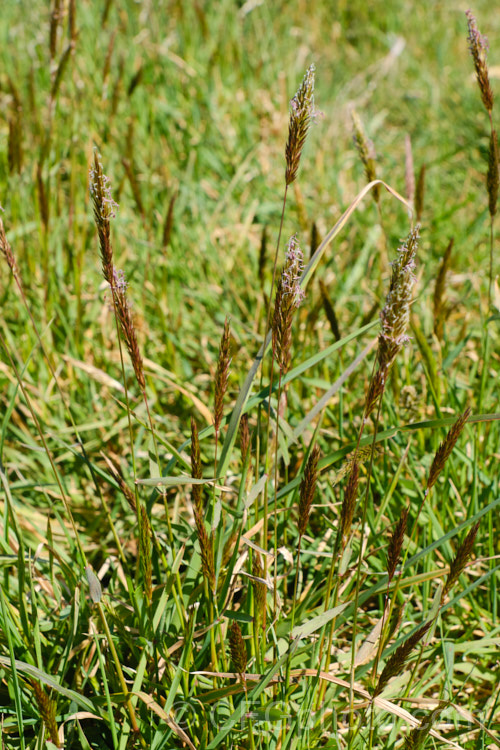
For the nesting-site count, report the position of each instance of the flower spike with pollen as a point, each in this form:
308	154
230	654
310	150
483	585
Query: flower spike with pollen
302	113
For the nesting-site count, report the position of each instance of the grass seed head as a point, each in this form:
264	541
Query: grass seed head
302	113
444	451
125	489
492	177
460	560
169	221
15	142
104	210
395	317
204	540
262	255
196	470
366	152
329	310
349	504
123	312
478	47
47	709
221	375
397	661
420	194
145	553
308	489
396	544
206	552
289	295
6	251
244	438
315	239
237	648
409	171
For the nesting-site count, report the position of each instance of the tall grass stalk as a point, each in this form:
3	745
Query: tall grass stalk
302	113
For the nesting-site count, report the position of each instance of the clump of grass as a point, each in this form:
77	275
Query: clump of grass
179	587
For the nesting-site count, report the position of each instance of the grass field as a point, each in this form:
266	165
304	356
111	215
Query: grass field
232	517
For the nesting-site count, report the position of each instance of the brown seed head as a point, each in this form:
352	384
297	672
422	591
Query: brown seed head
409	171
204	540
478	47
229	546
394	317
206	552
349	504
130	171
125	489
104	211
169	221
125	318
244	438
459	562
196	470
420	194
221	375
396	544
444	451
315	239
308	489
47	708
366	152
492	177
329	310
397	661
15	142
6	251
237	648
302	113
145	554
289	295
262	255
